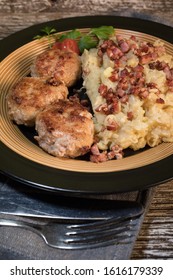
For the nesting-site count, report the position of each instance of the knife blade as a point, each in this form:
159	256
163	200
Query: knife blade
67	208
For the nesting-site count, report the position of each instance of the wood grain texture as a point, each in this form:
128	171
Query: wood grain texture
155	240
18	14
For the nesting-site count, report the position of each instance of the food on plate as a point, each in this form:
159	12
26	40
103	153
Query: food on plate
128	81
59	65
67	44
30	95
65	129
130	85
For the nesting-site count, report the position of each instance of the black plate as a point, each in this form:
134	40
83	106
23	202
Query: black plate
77	183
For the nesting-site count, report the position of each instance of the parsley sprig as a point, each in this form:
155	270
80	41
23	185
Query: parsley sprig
48	32
85	41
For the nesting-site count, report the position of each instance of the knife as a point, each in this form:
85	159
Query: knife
66	208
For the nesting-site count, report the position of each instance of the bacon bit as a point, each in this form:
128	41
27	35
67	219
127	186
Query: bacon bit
102	157
124	99
143	93
144	48
95	150
97	156
116	152
123	83
103	47
160	101
110	96
108	109
114	52
103	108
114	107
120	92
159	65
124	73
151	85
146	58
103	90
114	76
124	46
133	38
130	116
138	68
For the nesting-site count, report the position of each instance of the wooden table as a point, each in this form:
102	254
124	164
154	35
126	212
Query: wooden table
156	236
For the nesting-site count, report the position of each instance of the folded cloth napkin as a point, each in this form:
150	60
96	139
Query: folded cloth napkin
19	244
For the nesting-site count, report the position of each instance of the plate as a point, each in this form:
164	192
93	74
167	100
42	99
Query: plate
23	160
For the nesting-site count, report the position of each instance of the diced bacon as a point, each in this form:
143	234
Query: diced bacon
146	58
97	156
138	68
130	116
114	76
160	100
103	108
151	85
114	107
124	46
114	52
120	92
95	150
102	90
116	152
124	99
143	93
133	38
159	65
102	157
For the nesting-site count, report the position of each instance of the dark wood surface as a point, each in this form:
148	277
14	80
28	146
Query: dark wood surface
155	240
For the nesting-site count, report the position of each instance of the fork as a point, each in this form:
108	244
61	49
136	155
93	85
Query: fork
64	235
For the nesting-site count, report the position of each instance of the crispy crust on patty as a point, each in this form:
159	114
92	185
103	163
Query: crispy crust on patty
65	129
31	95
60	65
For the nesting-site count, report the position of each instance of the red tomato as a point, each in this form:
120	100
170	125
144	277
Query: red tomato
67	44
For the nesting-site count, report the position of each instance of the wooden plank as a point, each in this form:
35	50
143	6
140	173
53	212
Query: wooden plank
11	23
87	5
155	240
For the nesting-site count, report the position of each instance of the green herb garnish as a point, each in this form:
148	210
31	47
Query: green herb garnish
103	32
86	41
48	32
74	34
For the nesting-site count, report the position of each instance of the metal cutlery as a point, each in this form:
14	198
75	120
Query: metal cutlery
65	235
65	208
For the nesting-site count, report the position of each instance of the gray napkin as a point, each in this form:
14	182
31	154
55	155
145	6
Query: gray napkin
19	244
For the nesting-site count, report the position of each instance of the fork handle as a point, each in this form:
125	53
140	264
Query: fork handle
21	224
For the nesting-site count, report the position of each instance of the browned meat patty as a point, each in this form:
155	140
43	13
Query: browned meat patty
29	96
65	129
60	65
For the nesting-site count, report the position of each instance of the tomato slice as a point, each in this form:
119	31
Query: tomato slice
67	44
